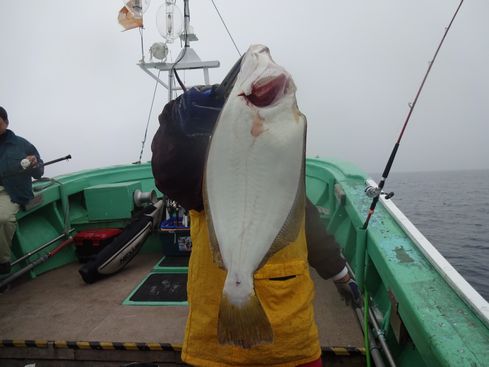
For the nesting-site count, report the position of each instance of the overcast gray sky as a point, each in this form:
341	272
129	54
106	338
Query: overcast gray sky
69	79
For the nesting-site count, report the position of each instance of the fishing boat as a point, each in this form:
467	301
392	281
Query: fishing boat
417	309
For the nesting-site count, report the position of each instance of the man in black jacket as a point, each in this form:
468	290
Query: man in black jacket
19	162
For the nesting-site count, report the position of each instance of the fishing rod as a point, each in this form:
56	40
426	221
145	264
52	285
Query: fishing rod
375	192
65	158
36	262
42	247
28	169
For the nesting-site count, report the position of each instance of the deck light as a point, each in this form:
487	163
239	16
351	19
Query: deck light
169	21
159	50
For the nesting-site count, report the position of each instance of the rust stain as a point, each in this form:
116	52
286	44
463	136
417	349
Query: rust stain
403	256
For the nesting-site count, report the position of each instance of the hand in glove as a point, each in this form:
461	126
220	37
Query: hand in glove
348	289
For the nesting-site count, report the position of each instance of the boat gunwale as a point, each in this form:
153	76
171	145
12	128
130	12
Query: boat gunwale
456	281
435	347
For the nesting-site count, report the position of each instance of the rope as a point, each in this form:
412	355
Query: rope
149	118
225	26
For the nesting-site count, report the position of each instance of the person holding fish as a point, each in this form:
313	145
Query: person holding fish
16	153
253	230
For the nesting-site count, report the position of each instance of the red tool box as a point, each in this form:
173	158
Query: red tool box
89	242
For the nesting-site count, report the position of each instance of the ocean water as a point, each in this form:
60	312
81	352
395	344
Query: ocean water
451	209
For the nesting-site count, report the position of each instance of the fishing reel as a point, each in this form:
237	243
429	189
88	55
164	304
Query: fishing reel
374	191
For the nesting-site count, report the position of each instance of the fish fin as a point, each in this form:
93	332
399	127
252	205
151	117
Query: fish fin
292	225
245	326
214	244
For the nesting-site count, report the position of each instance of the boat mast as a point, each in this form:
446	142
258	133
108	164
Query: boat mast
187	58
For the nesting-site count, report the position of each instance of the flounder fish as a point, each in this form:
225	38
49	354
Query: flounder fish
253	189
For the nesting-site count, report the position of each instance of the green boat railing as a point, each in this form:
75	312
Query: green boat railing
423	315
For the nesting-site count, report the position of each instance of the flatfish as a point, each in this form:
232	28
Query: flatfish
253	189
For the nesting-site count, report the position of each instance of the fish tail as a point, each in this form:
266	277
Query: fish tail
245	325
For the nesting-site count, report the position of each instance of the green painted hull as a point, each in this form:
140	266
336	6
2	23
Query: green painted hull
424	320
415	304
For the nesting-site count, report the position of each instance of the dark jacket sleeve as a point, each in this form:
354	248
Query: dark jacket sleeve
18	182
324	253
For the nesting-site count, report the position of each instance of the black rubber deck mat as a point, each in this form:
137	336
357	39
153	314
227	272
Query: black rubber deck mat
174	261
162	287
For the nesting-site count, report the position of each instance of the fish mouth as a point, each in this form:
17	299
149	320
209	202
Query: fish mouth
267	90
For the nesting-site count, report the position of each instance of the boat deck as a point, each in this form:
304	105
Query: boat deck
58	320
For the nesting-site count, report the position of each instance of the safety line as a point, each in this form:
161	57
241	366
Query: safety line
225	26
90	345
149	119
166	347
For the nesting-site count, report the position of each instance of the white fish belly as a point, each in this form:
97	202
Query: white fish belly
252	183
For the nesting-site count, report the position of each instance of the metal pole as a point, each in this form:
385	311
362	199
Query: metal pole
380	335
143	67
186	19
36	262
170	85
374	349
42	247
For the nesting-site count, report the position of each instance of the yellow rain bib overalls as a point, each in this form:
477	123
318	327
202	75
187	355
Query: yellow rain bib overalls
285	290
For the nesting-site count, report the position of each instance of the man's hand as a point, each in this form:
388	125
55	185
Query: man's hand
348	289
32	159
